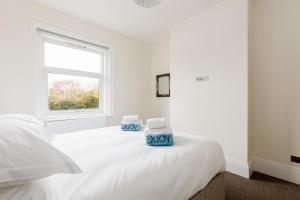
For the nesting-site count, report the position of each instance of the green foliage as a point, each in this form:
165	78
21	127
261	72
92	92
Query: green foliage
67	95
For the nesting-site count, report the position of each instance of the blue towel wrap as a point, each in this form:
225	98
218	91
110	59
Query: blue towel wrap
159	137
163	139
131	126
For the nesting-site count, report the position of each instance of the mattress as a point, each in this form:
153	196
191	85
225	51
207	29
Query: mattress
119	165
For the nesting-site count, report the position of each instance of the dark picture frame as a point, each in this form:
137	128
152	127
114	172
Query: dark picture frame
159	81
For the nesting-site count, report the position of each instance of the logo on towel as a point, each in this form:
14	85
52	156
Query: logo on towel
155	139
130	126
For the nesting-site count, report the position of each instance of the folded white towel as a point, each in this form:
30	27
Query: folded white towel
130	118
156	123
158	131
140	121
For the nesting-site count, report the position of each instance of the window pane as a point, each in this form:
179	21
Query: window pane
72	92
71	58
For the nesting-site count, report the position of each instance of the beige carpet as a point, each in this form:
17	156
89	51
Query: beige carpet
259	187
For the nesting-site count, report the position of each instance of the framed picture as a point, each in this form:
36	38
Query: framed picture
163	85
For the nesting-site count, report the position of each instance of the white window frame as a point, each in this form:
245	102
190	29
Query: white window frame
48	34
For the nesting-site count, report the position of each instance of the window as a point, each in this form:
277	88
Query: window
75	76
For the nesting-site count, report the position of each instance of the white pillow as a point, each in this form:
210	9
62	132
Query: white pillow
25	155
39	128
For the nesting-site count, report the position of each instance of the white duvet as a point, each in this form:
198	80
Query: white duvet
120	166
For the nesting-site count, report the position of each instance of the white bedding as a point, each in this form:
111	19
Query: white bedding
119	166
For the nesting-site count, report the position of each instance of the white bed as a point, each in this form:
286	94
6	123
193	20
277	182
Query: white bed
118	165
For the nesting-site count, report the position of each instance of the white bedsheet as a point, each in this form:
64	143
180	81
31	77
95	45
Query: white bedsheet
119	166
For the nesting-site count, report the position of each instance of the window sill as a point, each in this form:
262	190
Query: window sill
64	117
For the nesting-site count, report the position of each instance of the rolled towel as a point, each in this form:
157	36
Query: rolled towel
130	118
132	125
159	137
156	123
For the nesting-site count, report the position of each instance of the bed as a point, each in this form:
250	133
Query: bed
118	165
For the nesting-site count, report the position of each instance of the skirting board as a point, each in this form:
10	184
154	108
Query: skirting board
278	170
238	167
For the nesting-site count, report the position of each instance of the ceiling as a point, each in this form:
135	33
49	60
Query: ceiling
124	16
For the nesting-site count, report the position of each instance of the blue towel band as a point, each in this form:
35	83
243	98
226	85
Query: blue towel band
131	126
160	139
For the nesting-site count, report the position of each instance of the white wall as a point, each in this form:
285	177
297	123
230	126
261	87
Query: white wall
276	84
250	84
159	64
214	43
130	61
